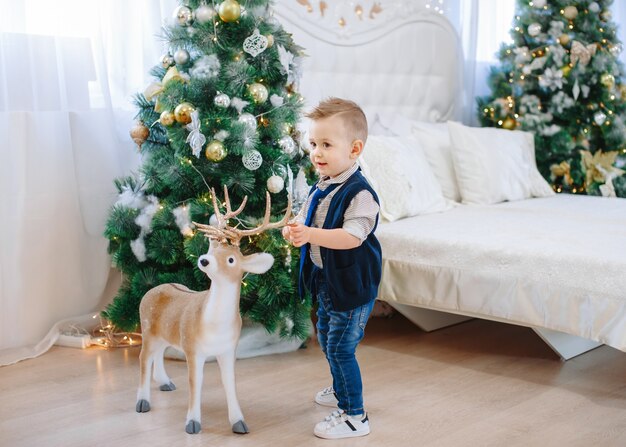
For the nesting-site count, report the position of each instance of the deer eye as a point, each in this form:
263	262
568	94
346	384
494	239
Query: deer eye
231	260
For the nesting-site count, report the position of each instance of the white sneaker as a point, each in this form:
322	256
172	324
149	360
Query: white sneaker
327	397
339	425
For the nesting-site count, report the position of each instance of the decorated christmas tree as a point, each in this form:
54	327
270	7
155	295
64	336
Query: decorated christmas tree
222	111
561	79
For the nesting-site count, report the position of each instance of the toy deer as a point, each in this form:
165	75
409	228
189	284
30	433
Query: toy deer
206	323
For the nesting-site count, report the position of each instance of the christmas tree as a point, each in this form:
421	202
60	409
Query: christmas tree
222	111
561	79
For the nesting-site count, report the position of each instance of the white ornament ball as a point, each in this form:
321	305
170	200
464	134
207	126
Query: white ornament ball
616	49
287	144
594	7
183	16
248	119
534	29
570	12
606	15
181	57
539	3
599	118
222	100
275	184
252	160
204	14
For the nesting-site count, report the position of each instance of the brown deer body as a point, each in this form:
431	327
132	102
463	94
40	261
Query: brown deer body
202	324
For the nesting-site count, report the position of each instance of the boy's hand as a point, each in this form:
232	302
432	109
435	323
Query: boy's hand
299	234
286	232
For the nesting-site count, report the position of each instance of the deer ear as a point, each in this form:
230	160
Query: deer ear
257	262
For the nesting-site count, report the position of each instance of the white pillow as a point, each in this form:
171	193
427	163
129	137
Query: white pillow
435	139
494	165
401	176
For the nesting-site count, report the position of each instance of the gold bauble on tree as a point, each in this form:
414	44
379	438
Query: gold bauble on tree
570	12
139	133
215	151
564	39
258	92
608	80
167	118
509	123
182	112
229	11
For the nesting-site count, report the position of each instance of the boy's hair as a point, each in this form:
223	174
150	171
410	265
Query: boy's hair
353	118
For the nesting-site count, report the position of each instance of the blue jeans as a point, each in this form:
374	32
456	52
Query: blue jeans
339	333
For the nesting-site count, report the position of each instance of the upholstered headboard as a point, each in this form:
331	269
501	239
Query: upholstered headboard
387	55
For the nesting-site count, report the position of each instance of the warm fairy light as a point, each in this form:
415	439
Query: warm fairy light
499	122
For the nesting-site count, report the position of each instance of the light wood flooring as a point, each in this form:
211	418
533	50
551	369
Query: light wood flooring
477	383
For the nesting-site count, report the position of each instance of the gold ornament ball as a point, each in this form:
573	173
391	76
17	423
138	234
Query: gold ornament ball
509	123
564	39
258	92
139	133
608	80
182	113
167	118
570	12
270	40
215	151
606	15
229	11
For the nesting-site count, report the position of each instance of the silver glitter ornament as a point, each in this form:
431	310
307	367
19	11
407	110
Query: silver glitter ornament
181	57
221	100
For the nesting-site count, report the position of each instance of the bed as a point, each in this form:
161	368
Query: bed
554	264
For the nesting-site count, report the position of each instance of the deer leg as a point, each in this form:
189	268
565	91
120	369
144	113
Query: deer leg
146	358
226	362
195	366
160	376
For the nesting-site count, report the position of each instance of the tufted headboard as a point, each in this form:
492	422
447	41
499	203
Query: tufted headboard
394	56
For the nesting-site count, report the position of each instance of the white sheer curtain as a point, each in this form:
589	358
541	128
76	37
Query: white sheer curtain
67	72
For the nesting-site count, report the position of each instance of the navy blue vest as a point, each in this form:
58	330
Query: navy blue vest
353	275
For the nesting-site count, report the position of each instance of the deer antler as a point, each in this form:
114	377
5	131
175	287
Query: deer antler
224	232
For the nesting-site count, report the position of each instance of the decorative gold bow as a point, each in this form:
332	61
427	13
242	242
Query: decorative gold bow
157	87
562	170
599	166
581	53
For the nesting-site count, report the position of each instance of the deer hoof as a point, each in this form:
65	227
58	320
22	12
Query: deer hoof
193	427
143	406
168	387
240	427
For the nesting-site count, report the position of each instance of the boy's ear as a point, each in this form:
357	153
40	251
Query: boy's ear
357	148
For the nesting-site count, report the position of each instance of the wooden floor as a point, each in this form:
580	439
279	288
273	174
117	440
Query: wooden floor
477	383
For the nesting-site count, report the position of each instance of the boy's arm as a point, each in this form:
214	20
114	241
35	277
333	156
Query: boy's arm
338	238
359	220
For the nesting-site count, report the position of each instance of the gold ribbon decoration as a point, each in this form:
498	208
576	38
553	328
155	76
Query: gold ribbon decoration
562	170
582	53
599	167
156	88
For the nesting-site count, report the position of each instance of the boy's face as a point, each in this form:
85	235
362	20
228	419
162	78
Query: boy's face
332	150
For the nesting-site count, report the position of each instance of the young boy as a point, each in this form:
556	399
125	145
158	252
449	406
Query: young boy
341	258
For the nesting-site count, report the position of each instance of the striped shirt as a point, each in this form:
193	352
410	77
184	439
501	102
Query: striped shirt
359	218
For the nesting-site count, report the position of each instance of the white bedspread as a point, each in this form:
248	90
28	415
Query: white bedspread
556	262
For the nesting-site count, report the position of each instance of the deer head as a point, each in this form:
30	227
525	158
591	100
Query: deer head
224	256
